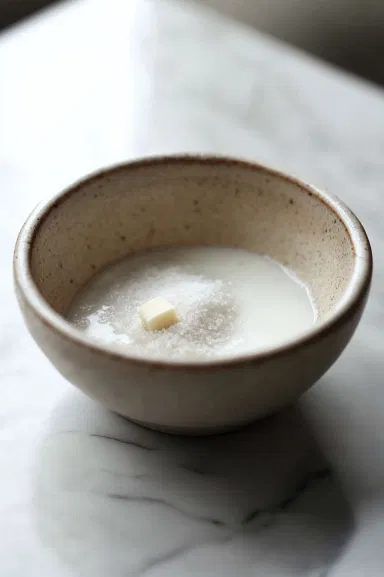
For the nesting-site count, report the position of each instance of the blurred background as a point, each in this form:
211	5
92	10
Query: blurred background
13	10
347	33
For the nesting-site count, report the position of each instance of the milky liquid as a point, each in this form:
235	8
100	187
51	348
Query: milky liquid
229	302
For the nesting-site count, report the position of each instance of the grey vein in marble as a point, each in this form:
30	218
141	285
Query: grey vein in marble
265	483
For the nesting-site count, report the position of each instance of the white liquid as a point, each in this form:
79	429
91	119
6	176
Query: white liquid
230	302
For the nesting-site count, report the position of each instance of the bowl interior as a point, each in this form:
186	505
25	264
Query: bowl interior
216	202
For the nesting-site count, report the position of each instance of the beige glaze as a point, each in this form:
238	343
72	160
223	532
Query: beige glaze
192	200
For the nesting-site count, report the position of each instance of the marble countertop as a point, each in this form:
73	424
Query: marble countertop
84	492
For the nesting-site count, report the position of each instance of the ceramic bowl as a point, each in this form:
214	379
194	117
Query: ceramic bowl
188	200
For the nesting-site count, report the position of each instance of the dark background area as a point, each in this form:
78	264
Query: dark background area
11	11
347	33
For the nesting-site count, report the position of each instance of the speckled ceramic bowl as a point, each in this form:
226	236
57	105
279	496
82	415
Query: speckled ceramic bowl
192	200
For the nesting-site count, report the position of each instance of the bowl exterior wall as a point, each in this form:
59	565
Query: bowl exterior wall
192	400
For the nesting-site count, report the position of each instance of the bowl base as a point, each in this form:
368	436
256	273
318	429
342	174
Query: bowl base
193	431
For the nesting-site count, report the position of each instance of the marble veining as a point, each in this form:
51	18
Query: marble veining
221	500
86	493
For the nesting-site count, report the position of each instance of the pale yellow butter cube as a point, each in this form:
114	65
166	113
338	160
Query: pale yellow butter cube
158	314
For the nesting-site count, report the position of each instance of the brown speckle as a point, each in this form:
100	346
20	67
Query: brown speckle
95	195
291	201
151	233
93	266
196	202
187	227
123	237
60	265
71	280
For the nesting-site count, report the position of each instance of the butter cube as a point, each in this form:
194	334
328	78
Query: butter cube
158	314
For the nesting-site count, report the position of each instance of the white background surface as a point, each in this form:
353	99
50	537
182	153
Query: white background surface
85	493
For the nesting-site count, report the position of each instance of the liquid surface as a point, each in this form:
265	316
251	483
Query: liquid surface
229	301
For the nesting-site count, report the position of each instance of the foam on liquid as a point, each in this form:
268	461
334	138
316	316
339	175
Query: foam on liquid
230	302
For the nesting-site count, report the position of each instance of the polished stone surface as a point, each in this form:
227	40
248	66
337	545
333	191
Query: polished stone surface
86	493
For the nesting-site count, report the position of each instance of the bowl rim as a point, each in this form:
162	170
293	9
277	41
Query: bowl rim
356	290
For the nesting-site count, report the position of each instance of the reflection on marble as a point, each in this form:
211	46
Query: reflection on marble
83	492
225	505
